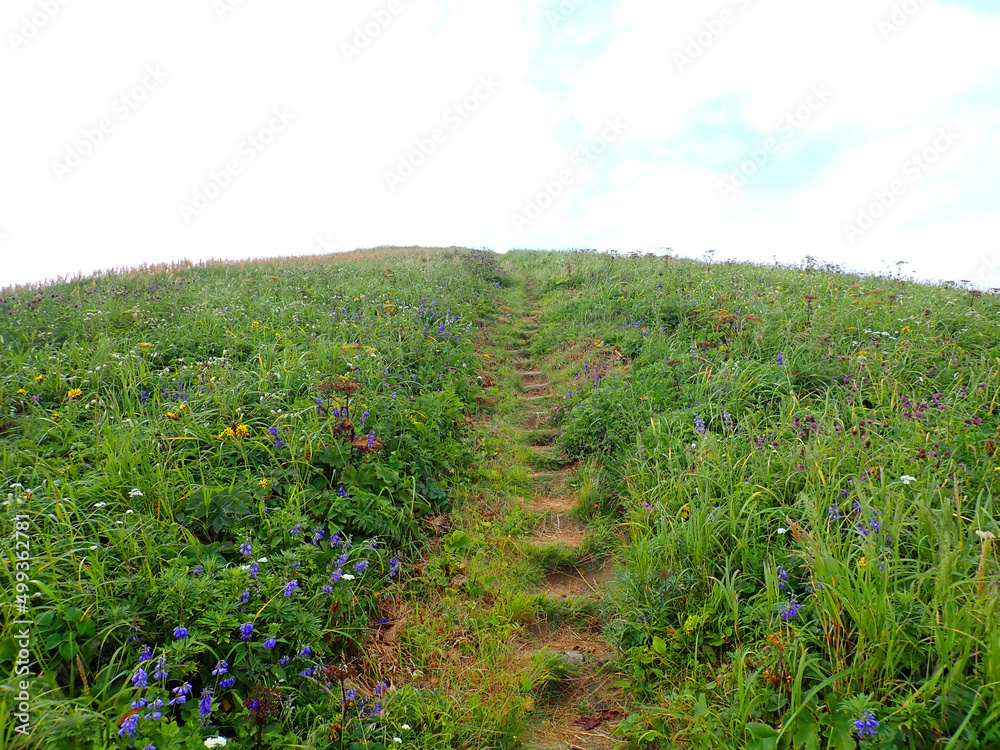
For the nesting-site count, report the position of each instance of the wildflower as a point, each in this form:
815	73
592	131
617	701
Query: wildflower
269	643
244	597
180	632
21	391
906	479
246	631
347	577
74	393
782	578
227	683
129	725
246	548
862	562
833	513
782	531
362	566
305	651
790	610
180	694
39	378
216	742
100	504
397	739
241	431
160	671
781	358
867	725
226	433
342	492
135	492
139	677
205	703
291	586
221	668
406	726
284	660
262	483
296	529
307	672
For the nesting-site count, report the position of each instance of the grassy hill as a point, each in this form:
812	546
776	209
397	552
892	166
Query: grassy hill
447	498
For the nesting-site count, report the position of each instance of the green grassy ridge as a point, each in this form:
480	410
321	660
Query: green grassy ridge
180	464
696	616
758	429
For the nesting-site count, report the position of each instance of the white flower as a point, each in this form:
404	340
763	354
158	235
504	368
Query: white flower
347	577
397	739
906	479
216	742
17	486
135	492
782	531
261	559
99	505
129	511
93	546
406	726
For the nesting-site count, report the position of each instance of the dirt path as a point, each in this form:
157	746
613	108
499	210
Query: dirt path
577	705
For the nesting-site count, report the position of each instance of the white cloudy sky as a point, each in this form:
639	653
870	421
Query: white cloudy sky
861	132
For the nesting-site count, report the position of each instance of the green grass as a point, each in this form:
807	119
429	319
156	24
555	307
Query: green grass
793	468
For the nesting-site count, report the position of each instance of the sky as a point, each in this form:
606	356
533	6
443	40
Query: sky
863	133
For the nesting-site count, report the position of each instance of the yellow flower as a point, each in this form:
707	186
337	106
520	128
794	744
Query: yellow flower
685	512
55	416
144	344
862	562
226	433
905	329
170	415
262	483
256	324
182	407
74	393
241	431
39	378
21	391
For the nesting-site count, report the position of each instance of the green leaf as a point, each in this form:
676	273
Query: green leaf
659	645
765	737
806	735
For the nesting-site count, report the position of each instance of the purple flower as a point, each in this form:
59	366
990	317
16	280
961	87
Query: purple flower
180	632
269	643
867	725
129	725
291	586
139	677
790	610
245	597
362	566
180	694
227	683
160	671
147	653
307	672
781	358
246	631
284	660
834	512
205	704
221	668
246	548
782	578
342	492
306	650
296	529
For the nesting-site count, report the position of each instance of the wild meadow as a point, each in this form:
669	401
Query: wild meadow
274	504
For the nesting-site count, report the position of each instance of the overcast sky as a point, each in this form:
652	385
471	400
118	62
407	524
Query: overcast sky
860	132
